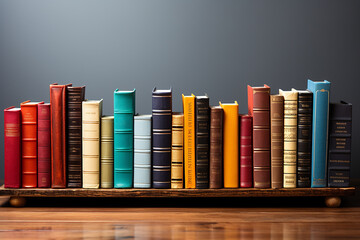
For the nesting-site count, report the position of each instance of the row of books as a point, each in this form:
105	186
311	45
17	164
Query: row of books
285	140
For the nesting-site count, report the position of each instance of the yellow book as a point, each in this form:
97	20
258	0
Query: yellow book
231	144
189	140
177	150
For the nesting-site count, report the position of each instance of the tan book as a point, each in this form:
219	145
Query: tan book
91	114
177	150
290	137
107	152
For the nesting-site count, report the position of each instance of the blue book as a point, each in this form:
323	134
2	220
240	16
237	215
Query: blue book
124	109
319	149
142	151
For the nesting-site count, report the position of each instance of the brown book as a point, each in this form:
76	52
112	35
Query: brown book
277	140
216	143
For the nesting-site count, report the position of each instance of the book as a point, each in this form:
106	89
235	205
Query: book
202	141
304	124
142	151
277	140
75	96
124	110
231	144
29	122
161	133
91	115
320	119
246	151
107	152
340	144
12	147
216	147
259	109
44	147
189	140
177	151
290	137
58	135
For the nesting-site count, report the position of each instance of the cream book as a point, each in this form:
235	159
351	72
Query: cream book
107	152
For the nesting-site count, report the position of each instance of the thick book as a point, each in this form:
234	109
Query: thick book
124	111
58	135
231	144
107	152
91	115
161	133
290	137
246	151
189	140
340	144
216	147
259	109
75	96
304	130
12	147
142	151
277	140
29	122
177	151
320	119
202	141
44	146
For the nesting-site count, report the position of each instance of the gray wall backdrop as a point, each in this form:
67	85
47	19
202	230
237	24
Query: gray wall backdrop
195	46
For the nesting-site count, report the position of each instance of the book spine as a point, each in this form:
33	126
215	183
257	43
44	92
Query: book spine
305	106
161	146
142	151
177	151
124	110
75	96
216	147
12	147
202	139
277	140
246	150
107	152
91	115
44	147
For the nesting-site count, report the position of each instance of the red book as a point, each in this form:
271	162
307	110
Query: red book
246	151
58	135
29	143
44	150
12	147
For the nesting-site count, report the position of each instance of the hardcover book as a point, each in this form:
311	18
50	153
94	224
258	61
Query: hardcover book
216	147
231	144
161	145
44	147
107	152
142	151
177	150
91	115
246	151
124	110
320	116
12	147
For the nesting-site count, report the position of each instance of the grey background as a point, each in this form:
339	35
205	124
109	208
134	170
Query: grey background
195	46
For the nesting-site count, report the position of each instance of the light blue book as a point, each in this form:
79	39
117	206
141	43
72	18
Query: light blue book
321	91
142	151
124	109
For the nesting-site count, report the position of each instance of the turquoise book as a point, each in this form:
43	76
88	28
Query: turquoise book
124	110
142	151
320	126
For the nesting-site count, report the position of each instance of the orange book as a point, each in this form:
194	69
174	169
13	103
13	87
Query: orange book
231	144
189	140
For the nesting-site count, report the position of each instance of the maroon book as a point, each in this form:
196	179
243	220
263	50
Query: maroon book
246	151
12	147
44	150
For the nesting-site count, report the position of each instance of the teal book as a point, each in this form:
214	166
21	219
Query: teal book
124	109
320	126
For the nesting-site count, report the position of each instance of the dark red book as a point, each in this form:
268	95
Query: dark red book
44	150
246	151
12	147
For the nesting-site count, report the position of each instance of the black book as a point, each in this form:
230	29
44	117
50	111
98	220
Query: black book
339	158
